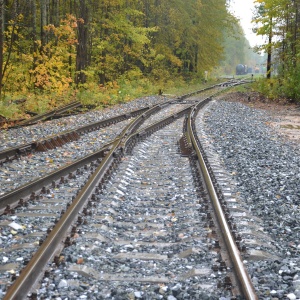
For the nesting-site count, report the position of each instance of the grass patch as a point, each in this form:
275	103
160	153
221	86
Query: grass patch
99	96
290	127
181	87
10	110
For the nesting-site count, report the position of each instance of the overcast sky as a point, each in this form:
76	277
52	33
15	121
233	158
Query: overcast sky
243	9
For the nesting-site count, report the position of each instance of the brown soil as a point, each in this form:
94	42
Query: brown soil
288	123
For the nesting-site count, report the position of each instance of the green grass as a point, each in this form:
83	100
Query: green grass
182	88
112	94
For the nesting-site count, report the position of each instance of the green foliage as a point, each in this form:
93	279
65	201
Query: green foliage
128	87
290	84
275	88
265	87
181	87
277	19
16	63
9	110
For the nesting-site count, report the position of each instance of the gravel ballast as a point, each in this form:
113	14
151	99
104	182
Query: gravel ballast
144	239
17	136
266	170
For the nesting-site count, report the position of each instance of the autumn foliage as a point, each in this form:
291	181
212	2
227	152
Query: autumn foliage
279	22
64	49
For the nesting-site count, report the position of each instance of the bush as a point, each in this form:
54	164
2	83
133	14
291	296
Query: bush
9	110
286	85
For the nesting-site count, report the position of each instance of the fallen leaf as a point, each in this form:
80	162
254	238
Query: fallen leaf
80	261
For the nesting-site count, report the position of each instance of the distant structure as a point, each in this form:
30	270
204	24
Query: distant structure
241	69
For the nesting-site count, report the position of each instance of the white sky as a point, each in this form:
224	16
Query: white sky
243	10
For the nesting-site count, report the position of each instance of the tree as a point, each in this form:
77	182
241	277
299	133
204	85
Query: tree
111	39
279	21
265	14
53	72
82	51
43	22
235	48
1	42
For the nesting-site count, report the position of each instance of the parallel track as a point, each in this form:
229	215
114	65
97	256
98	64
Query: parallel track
58	140
41	117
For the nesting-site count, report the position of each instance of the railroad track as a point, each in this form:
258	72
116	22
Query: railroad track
59	140
53	140
104	205
56	113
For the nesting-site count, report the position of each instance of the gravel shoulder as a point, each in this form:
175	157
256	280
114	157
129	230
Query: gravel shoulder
251	137
287	115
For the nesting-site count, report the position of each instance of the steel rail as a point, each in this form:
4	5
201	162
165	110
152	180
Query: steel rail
42	117
32	272
70	106
54	140
243	276
129	141
54	240
13	197
142	133
50	114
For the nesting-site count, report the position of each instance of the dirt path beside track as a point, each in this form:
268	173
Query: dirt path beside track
288	115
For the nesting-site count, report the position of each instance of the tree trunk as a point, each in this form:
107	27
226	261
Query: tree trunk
1	42
296	33
147	13
43	23
54	15
34	34
269	59
12	38
82	53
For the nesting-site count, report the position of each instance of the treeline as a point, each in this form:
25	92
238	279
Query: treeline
237	50
279	22
56	45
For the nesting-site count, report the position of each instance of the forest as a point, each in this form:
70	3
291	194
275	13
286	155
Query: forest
279	22
57	50
109	51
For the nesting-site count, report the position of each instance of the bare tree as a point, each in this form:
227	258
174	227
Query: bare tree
43	22
2	7
82	51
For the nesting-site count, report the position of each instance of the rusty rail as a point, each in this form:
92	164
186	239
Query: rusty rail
54	241
243	278
60	139
49	114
